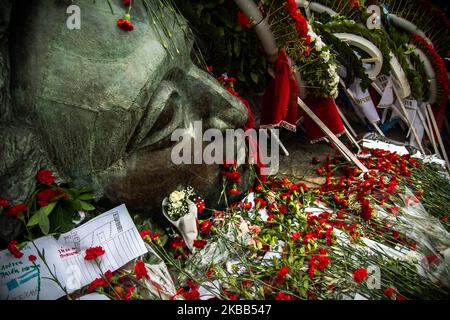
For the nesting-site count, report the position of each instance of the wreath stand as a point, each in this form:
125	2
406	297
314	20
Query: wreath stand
268	42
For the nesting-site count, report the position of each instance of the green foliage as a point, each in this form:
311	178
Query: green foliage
377	37
59	214
226	45
346	57
409	61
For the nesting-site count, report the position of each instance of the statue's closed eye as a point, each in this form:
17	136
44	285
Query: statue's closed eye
163	115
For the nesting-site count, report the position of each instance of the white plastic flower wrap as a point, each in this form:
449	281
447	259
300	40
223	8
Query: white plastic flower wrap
159	284
182	213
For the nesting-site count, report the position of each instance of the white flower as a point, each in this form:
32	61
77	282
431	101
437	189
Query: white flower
244	227
319	44
176	196
325	55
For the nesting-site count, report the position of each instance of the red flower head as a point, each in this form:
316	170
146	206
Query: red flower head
18	208
32	258
200	243
234	190
389	292
281	274
360	275
140	270
296	235
200	204
206	226
45	196
94	253
14	250
125	24
4	203
45	176
283	296
126	3
144	233
307	51
177	242
242	19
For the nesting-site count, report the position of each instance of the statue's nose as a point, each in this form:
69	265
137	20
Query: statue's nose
218	108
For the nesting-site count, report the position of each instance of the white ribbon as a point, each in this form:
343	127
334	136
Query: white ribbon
363	101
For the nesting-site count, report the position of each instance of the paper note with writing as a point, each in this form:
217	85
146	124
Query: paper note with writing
114	231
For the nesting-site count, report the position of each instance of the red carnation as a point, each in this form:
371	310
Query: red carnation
18	208
45	196
281	274
14	250
125	24
177	242
360	275
45	176
141	270
206	226
296	235
200	204
242	19
234	191
283	296
4	203
200	243
389	292
94	253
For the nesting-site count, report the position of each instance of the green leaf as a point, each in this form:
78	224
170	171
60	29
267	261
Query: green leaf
255	77
44	222
87	196
34	220
48	209
86	206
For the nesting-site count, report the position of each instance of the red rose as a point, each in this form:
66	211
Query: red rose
200	243
126	3
94	253
12	248
206	226
4	203
45	196
360	275
45	176
125	25
32	258
140	270
18	208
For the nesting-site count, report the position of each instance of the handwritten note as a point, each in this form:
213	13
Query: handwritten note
113	230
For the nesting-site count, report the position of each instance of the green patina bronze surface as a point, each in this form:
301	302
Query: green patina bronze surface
98	105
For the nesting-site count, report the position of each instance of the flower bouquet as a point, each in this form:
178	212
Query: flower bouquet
182	213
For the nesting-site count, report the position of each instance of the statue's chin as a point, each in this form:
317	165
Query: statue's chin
148	178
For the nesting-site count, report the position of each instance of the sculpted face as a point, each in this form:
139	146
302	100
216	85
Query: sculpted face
102	103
